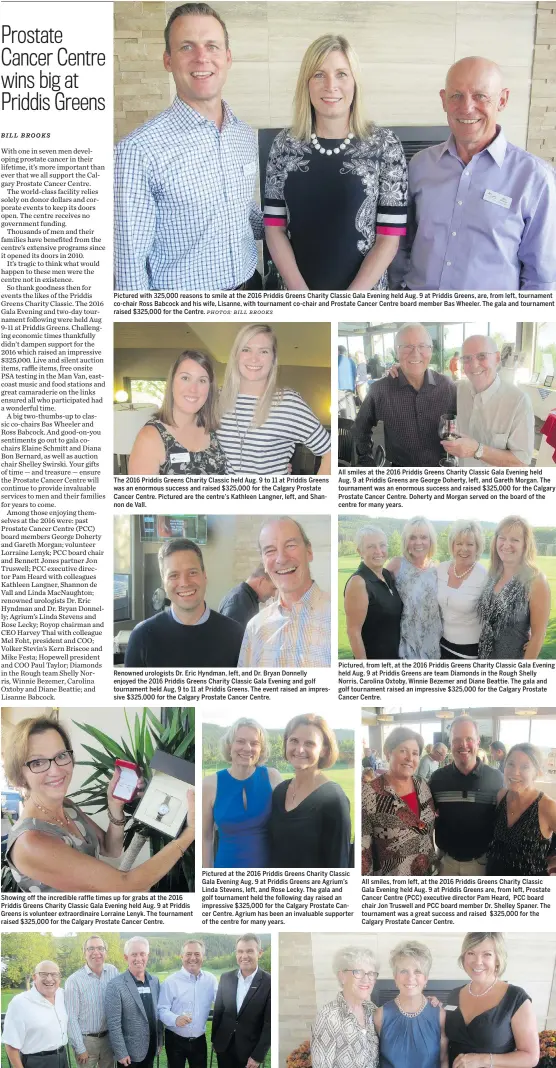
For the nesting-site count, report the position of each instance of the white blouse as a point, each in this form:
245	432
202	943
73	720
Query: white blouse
458	607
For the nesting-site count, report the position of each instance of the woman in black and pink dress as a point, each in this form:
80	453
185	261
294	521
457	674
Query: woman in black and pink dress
336	184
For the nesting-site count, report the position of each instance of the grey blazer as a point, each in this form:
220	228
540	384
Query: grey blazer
126	1017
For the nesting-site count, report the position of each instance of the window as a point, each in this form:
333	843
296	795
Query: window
146	391
122	568
545	350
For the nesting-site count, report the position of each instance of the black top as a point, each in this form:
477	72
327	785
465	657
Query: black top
381	628
160	642
410	417
241	603
466	807
520	849
145	993
490	1031
316	834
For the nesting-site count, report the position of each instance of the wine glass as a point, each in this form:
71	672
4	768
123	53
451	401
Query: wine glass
448	431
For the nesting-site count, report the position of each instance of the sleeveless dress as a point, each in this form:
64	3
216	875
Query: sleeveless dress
88	844
505	620
421	625
381	629
490	1030
520	849
182	461
409	1041
241	814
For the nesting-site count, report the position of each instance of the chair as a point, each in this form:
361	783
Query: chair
348	455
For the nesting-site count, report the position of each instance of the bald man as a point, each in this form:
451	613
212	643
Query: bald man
482	212
495	419
36	1023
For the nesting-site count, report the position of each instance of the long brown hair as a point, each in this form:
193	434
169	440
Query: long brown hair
207	416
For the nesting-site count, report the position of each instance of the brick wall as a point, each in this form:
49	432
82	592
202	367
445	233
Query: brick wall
142	88
541	137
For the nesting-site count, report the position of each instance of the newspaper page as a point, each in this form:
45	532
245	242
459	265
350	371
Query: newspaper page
278	640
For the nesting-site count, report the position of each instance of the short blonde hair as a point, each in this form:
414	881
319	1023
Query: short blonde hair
419	521
466	526
229	736
18	745
330	751
472	940
303	115
349	957
416	950
367	532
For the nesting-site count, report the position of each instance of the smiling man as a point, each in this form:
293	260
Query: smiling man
409	405
185	218
188	633
184	1005
482	212
241	1020
84	994
131	1002
495	418
465	797
36	1023
294	630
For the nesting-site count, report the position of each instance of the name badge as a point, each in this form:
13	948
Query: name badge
250	168
497	198
450	1008
179	458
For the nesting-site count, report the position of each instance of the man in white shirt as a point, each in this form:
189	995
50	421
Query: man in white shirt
241	1020
495	418
84	996
36	1023
184	1006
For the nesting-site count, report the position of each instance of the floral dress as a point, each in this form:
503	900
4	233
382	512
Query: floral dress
421	623
181	461
395	840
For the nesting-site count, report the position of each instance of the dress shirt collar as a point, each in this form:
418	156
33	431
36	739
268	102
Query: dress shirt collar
486	394
187	117
428	380
34	995
89	971
497	147
191	978
203	618
247	979
307	598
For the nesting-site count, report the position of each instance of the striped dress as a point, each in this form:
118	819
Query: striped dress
268	449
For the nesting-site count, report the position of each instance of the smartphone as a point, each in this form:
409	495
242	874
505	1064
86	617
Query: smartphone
126	787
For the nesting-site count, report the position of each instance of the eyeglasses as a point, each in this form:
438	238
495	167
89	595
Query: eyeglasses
408	350
358	973
49	975
481	356
43	763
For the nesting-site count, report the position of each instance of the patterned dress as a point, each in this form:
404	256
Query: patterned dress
181	461
88	844
505	619
421	623
520	849
395	840
338	1040
333	204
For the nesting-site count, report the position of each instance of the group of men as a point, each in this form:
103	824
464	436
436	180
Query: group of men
109	1017
292	630
482	212
494	419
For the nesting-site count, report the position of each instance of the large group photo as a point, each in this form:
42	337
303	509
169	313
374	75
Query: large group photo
98	800
414	999
212	398
452	791
425	587
328	165
278	795
430	394
148	999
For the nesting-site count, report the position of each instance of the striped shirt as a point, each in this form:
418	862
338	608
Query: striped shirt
184	212
268	449
84	995
290	637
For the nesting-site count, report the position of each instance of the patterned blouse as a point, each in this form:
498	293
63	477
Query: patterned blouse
338	1041
421	625
88	844
505	619
395	840
181	461
333	204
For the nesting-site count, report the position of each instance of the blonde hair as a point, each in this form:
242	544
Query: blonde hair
231	386
18	745
303	114
472	940
227	739
207	416
466	526
416	951
528	568
367	532
419	521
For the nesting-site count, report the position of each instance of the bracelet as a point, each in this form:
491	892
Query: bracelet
117	823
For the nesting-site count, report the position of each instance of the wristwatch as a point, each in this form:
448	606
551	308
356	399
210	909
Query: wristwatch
164	808
478	454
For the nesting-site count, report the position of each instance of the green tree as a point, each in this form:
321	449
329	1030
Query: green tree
21	953
442	547
395	544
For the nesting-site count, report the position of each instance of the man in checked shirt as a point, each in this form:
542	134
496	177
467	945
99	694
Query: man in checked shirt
84	996
185	218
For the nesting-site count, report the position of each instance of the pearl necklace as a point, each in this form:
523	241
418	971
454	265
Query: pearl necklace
331	151
483	992
411	1015
468	572
52	819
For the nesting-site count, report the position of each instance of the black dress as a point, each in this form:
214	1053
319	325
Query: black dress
520	849
315	834
381	630
489	1032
